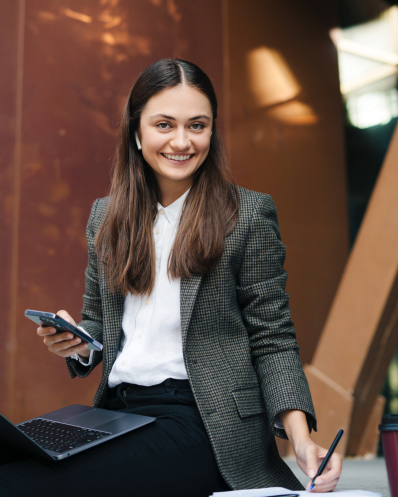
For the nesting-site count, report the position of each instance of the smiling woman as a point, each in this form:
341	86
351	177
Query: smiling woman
185	289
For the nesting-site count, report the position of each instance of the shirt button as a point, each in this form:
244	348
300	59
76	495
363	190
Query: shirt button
158	231
139	335
156	263
123	363
148	301
161	212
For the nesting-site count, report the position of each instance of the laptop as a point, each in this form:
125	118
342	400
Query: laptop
68	431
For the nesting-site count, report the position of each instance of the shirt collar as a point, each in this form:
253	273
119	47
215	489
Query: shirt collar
173	211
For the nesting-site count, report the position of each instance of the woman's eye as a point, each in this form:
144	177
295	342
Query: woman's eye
163	125
197	126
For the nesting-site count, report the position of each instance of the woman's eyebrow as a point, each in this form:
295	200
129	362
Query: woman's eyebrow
164	116
174	119
199	117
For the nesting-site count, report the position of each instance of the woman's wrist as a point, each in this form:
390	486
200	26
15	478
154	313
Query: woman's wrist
296	428
84	353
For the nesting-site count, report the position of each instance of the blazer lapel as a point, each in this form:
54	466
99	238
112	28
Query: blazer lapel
189	291
112	336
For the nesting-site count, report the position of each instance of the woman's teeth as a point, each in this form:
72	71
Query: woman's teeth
177	157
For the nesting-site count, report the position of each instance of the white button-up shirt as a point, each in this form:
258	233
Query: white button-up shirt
151	346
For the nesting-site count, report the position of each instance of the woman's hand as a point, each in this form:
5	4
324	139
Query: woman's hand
64	344
309	455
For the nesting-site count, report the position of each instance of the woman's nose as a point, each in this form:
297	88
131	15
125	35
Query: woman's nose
180	140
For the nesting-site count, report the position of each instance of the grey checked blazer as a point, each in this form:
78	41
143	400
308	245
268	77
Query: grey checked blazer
239	344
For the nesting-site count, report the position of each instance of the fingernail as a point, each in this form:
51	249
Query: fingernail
311	473
319	481
77	340
69	336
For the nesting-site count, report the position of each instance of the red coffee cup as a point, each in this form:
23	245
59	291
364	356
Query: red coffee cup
389	437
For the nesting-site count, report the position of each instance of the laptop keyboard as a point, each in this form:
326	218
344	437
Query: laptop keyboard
59	437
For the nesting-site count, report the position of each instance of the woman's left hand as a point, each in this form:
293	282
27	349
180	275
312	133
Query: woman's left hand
309	457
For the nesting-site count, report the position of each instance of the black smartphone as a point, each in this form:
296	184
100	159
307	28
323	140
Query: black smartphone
49	319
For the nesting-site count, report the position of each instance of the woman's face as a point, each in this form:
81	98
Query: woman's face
175	131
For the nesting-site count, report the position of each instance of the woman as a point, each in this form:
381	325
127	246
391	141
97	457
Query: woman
185	289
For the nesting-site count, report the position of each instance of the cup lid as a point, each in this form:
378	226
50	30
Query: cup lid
389	422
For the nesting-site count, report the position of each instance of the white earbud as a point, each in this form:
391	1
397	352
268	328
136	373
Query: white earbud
137	141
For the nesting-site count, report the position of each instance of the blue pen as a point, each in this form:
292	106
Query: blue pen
327	457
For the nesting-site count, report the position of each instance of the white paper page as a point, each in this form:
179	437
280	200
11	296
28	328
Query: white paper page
273	491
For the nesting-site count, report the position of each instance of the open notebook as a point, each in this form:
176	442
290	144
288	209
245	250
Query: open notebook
279	491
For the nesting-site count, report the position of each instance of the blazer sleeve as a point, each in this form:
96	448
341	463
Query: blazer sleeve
92	302
266	314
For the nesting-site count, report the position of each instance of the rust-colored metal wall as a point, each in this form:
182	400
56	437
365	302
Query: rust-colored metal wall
286	139
74	62
8	89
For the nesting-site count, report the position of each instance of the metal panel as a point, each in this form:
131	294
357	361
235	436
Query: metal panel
287	140
78	61
9	176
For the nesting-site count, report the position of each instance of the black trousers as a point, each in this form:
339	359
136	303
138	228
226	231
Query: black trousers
170	457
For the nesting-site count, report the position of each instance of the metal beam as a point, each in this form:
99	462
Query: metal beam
361	333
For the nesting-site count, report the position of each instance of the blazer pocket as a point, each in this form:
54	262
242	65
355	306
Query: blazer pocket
249	402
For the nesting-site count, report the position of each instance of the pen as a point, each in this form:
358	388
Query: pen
327	457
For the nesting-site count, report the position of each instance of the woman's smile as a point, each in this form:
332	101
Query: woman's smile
178	159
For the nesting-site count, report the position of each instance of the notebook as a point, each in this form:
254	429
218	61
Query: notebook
279	491
68	431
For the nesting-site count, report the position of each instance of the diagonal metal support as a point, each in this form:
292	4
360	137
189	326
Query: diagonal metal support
361	333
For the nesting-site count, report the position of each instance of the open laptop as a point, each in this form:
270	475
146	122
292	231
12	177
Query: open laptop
68	431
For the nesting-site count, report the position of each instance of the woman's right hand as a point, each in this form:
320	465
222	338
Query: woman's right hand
64	344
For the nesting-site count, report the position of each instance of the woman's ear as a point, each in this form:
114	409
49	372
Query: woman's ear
137	141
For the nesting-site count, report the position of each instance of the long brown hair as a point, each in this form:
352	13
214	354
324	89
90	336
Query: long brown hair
125	240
